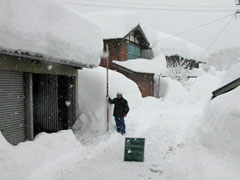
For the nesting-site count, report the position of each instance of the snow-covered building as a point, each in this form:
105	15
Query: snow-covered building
131	45
40	55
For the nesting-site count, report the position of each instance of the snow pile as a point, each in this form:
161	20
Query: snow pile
18	162
114	24
203	86
173	45
92	98
47	28
156	65
225	58
231	75
220	130
174	91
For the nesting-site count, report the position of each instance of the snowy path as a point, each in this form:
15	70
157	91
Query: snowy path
167	136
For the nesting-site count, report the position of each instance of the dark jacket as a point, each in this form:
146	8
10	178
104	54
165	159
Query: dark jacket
120	106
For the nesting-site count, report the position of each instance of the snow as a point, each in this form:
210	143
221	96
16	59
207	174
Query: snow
225	58
93	103
114	24
232	74
156	65
180	142
49	29
172	46
204	85
18	162
220	130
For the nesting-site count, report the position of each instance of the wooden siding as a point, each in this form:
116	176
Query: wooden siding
144	81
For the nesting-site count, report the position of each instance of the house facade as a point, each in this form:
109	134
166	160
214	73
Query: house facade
133	45
36	95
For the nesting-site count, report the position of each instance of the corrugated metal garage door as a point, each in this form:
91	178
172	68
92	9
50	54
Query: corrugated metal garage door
45	90
12	106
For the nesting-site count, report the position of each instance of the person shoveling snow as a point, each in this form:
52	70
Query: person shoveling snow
120	111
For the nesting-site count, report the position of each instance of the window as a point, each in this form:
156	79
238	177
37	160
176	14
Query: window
133	52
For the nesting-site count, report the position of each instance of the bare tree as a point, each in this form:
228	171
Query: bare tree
178	68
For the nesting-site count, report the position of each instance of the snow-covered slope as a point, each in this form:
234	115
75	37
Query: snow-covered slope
114	24
161	43
46	27
225	58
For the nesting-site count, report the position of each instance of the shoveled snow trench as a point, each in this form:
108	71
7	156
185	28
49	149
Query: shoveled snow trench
172	150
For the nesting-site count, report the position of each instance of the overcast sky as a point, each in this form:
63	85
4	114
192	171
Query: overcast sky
174	21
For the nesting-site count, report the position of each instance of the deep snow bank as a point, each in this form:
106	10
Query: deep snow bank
172	90
18	162
203	86
92	98
220	129
232	74
48	28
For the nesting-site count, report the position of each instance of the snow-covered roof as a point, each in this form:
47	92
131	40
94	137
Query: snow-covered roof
154	66
51	30
114	24
161	43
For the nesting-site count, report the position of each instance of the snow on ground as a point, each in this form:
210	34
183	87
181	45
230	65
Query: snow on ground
174	143
48	28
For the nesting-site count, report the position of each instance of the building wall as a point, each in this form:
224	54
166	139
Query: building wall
114	52
31	68
123	52
144	81
118	50
22	64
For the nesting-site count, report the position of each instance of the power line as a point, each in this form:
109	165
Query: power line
192	29
152	9
153	4
218	35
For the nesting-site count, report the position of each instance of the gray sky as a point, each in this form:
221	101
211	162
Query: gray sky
174	22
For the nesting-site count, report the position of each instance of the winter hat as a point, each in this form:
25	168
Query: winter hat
119	93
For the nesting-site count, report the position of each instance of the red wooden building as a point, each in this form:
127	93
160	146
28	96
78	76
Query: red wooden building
133	45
